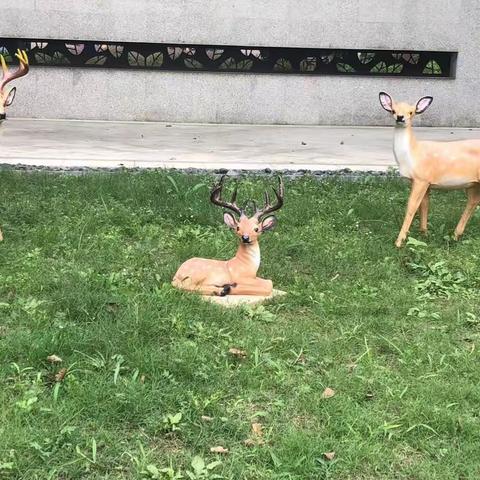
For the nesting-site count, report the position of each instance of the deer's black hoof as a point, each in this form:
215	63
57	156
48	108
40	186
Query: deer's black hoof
225	290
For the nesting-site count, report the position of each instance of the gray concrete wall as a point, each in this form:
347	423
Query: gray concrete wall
247	98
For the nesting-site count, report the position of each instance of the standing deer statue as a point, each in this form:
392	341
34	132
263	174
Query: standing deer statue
237	276
7	96
445	165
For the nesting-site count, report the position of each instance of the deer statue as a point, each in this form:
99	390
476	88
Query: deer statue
237	276
445	165
7	96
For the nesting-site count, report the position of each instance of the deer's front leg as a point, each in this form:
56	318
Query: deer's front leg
256	286
424	212
419	188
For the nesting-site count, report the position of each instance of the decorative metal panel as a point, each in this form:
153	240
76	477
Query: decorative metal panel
222	58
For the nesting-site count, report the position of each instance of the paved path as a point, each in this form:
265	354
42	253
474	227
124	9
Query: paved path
111	144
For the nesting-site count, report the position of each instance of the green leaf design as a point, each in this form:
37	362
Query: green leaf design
96	60
136	59
382	67
154	60
282	65
116	50
192	63
43	59
6	54
432	68
60	59
345	68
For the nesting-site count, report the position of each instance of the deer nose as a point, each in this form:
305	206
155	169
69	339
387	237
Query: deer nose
245	239
400	118
3	116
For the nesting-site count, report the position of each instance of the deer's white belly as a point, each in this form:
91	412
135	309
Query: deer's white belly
403	153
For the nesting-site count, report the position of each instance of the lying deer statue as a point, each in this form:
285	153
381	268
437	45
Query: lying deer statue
237	276
447	165
7	96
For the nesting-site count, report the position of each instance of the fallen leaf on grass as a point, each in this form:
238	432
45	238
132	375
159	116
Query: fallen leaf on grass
328	393
249	442
257	429
237	353
329	455
219	450
54	359
206	418
142	379
351	367
60	375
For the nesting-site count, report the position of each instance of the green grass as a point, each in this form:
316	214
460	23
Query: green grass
85	270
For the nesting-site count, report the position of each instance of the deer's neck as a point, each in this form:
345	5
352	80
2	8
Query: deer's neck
247	259
403	143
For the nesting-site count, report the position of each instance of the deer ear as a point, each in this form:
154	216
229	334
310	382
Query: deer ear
423	104
10	96
386	101
229	220
269	223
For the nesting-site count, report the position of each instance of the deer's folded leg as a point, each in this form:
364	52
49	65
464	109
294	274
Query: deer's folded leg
257	286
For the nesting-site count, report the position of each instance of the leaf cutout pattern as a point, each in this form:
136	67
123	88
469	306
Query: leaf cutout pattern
282	65
154	60
327	58
432	68
365	57
43	59
382	67
214	53
116	50
231	64
136	59
101	48
96	60
412	58
345	68
39	45
189	51
174	52
192	63
308	64
6	54
75	48
60	59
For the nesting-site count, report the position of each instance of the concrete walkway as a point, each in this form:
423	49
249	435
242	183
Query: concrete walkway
112	144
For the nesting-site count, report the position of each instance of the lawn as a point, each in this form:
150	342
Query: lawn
150	386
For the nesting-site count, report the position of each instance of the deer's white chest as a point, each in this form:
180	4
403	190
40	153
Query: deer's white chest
253	252
403	151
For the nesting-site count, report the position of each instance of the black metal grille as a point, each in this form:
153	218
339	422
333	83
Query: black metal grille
222	58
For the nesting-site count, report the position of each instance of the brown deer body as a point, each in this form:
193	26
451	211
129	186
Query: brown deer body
237	276
443	165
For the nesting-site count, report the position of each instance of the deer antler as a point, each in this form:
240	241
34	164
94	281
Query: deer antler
216	194
9	75
268	207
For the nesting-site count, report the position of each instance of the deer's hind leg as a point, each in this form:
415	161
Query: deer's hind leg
424	212
204	289
255	286
473	199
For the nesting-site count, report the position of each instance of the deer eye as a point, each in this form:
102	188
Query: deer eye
394	112
256	229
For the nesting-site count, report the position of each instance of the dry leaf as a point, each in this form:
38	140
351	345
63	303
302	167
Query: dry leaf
328	393
329	455
60	375
54	359
237	353
206	418
219	450
249	442
257	429
142	379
